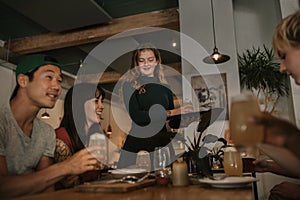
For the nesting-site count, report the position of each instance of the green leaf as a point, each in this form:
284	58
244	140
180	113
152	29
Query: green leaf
259	70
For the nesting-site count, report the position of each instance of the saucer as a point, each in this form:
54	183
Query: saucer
229	182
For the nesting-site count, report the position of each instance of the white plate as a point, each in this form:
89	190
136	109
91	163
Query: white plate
128	171
229	182
119	173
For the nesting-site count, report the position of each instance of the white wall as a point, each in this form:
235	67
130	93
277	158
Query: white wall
7	80
200	29
255	22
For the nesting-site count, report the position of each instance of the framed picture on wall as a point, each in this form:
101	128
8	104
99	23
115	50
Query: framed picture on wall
211	92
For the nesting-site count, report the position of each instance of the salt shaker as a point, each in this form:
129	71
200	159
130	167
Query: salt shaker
180	173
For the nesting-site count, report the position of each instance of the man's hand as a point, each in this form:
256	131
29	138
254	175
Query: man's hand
81	162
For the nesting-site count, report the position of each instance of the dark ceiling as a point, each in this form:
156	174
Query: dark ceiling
25	18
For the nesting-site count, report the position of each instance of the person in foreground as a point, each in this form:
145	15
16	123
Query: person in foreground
144	87
286	45
27	144
89	107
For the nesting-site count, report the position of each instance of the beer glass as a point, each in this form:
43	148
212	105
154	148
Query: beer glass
233	165
243	132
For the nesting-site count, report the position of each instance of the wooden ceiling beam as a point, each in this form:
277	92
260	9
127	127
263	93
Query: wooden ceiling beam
113	77
168	18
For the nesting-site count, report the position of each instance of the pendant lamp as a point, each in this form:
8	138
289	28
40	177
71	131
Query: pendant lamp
109	129
216	57
45	115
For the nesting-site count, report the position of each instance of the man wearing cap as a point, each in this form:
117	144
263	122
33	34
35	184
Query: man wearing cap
27	144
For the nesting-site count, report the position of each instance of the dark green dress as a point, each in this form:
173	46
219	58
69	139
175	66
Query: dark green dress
148	128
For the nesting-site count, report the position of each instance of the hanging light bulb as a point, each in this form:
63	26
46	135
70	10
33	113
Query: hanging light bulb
174	44
216	57
109	130
80	64
45	115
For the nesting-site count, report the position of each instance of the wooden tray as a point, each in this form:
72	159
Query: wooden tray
114	187
205	119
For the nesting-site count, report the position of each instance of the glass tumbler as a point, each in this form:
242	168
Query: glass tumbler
233	164
99	140
162	165
143	160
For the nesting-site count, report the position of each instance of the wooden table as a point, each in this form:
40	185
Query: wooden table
199	191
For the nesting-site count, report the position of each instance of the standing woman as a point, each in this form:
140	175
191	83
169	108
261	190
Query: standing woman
149	100
76	126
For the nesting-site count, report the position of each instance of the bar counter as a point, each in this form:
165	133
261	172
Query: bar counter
156	192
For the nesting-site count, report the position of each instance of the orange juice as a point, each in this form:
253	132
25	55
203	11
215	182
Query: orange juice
243	132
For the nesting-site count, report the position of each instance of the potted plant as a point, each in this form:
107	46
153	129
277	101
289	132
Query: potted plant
216	155
259	73
198	156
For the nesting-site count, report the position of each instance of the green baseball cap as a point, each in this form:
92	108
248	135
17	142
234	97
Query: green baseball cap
31	62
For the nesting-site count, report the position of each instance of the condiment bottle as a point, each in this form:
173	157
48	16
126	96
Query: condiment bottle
180	173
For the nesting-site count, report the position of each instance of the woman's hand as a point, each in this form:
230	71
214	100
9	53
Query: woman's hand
279	132
261	165
186	108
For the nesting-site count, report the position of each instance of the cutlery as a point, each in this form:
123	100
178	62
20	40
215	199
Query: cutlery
126	179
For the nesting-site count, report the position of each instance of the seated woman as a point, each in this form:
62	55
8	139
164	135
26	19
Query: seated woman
76	126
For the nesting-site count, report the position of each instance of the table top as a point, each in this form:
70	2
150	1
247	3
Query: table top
198	191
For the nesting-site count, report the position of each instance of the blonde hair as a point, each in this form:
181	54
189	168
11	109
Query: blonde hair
134	73
287	34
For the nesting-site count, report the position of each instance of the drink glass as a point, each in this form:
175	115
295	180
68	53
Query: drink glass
100	153
161	165
233	165
143	160
243	132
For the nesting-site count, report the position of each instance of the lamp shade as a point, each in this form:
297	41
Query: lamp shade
216	57
109	130
45	115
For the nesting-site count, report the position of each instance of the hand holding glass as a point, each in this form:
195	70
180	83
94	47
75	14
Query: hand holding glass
243	132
